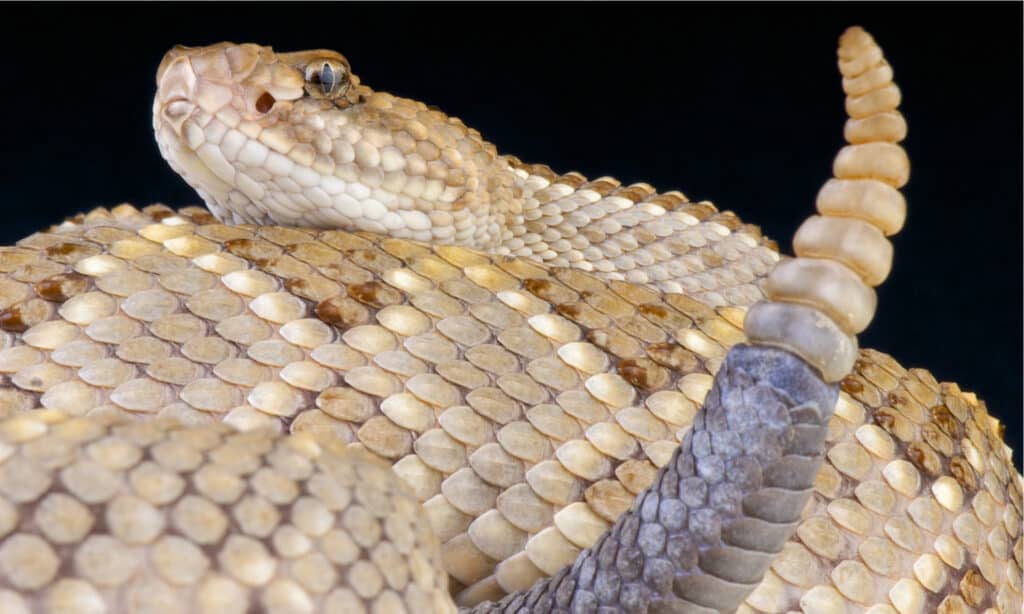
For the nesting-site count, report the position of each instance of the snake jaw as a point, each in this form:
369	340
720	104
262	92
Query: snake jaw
273	138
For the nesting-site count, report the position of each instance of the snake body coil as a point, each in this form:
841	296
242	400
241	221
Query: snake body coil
503	389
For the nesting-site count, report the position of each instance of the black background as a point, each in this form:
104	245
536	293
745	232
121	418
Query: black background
739	104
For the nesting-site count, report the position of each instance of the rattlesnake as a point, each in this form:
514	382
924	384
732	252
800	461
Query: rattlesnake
524	393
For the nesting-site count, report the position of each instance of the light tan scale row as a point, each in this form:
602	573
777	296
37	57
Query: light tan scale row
525	407
111	514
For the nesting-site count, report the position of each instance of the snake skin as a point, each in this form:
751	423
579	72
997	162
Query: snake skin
523	405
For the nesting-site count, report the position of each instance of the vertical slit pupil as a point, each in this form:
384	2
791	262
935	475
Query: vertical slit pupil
328	78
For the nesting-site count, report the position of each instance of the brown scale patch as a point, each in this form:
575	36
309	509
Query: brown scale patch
257	251
850	385
300	287
771	244
374	294
668	200
21	317
924	458
342	312
583	314
673	356
727	219
70	252
975	590
568	310
885	418
633	193
896	399
642	373
961	471
572	179
701	210
710	258
60	288
11	320
938	440
664	317
944	419
550	291
199	217
159	212
601	185
657	311
615	342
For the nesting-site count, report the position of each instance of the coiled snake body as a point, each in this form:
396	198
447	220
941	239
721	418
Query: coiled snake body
496	381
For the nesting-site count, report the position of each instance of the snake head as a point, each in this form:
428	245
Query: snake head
249	80
296	139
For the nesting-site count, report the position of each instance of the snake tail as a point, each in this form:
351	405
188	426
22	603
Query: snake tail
701	538
818	301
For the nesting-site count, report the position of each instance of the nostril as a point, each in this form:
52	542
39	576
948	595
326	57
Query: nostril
177	108
265	102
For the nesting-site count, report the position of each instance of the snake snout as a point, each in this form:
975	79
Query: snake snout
176	87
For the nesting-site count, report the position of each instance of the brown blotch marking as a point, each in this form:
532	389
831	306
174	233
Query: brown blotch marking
924	458
668	200
158	212
945	420
673	356
701	211
601	185
631	193
257	251
568	310
961	471
935	438
885	418
12	321
375	294
771	244
69	252
342	312
615	342
299	287
975	589
665	318
710	258
549	290
649	309
897	399
850	385
572	179
201	217
60	288
727	219
642	373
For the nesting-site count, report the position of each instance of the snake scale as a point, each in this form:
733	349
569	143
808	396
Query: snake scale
395	371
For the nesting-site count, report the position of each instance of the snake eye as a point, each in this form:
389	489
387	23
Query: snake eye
327	78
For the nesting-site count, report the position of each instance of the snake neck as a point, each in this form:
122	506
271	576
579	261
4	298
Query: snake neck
259	149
